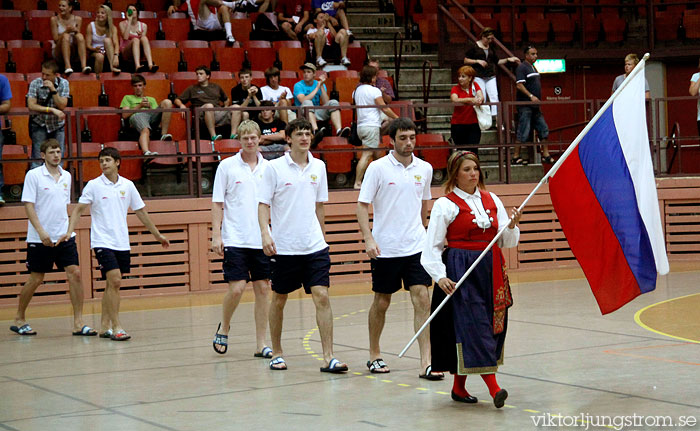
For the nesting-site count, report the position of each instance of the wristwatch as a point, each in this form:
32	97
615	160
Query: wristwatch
51	93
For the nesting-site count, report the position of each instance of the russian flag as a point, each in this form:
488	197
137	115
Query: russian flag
604	194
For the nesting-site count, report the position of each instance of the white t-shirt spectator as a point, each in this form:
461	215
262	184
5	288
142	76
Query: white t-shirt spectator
274	95
367	95
695	78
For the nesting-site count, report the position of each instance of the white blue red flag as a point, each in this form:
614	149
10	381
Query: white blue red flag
605	197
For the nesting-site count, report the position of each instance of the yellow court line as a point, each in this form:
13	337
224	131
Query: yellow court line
639	322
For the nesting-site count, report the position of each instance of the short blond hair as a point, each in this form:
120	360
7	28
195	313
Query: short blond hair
632	57
247	127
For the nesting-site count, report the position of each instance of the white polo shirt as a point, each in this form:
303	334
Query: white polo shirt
292	193
50	198
109	203
235	186
397	194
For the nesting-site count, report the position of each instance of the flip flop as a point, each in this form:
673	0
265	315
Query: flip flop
429	374
86	331
265	353
106	334
23	330
335	367
142	68
220	340
120	335
376	365
278	360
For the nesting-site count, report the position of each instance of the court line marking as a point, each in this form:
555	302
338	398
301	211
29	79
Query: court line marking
638	320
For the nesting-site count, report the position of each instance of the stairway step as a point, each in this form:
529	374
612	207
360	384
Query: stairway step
367	19
377	47
413	77
368	34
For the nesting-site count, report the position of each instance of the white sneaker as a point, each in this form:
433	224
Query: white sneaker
230	39
345	61
320	62
349	32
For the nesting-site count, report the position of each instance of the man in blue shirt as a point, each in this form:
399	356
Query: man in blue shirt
309	93
5	104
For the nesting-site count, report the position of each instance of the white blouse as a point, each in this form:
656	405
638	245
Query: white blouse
444	212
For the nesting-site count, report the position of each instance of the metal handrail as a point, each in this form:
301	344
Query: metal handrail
675	132
397	60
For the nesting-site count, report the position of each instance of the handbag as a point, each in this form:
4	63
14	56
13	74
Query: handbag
354	139
483	114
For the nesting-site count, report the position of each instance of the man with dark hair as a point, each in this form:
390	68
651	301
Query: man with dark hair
394	244
144	121
328	42
291	195
242	95
5	105
336	13
46	195
529	90
279	94
46	99
110	196
205	94
272	140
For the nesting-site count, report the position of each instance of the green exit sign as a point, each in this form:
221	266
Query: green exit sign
555	65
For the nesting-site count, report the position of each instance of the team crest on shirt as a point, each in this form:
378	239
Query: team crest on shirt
123	193
417	177
313	177
65	185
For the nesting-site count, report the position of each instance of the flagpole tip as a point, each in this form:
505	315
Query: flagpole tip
646	56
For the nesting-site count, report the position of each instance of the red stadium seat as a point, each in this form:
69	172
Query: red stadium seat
116	87
85	90
260	54
345	83
505	25
614	29
292	58
537	29
227	147
103	126
563	27
241	28
182	80
337	162
14	172
40	24
129	168
20	125
178	126
176	28
692	26
436	157
168	148
666	26
157	87
229	58
12	24
197	53
224	79
165	54
428	24
19	88
258	78
205	148
89	152
28	55
591	28
357	55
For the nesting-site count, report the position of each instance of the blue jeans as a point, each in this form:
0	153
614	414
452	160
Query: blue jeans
39	135
531	117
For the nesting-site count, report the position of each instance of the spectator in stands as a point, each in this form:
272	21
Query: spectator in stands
272	141
101	39
109	233
46	99
134	39
308	92
464	126
279	94
694	91
335	11
251	6
143	122
631	61
483	58
529	90
65	29
382	83
242	95
5	105
369	120
205	94
293	17
208	15
327	42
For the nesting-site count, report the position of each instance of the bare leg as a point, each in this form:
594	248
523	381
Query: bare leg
231	301
80	40
111	301
136	52
421	311
283	112
209	120
545	148
276	318
362	166
318	44
111	57
289	30
261	288
264	6
377	314
76	295
324	320
235	119
65	49
145	139
342	39
343	19
147	51
335	120
165	119
34	281
99	62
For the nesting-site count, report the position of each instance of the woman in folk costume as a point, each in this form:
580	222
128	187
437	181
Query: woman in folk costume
467	335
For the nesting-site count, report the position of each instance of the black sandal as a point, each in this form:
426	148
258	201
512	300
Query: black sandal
548	160
518	161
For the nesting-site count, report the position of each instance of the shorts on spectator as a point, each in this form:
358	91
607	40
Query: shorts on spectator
369	135
247	264
322	114
272	151
389	272
108	259
290	272
210	23
221	118
41	258
531	117
144	120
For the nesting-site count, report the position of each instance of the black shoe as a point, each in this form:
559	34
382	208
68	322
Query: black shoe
318	136
468	399
344	132
499	400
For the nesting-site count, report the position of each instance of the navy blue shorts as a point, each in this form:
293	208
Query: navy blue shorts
41	258
389	272
109	259
290	272
247	264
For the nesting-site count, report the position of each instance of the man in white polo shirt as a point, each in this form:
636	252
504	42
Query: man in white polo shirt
237	239
398	187
46	194
293	191
110	197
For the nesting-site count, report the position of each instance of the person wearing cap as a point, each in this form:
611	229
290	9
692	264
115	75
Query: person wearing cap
310	92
